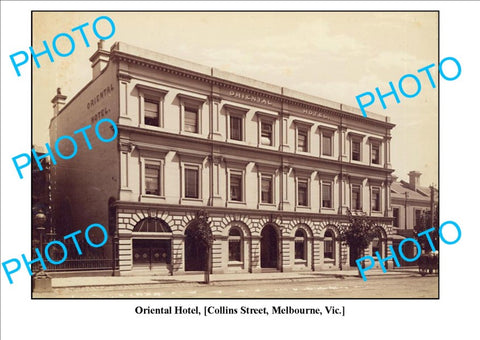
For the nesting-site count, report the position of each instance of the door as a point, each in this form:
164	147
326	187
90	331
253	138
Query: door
151	253
269	247
195	253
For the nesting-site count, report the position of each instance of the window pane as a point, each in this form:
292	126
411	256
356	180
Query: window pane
328	243
356	150
302	140
236	187
191	119
234	250
151	112
375	154
300	249
376	199
327	145
266	133
267	190
326	195
303	193
356	198
152	180
191	183
234	232
236	128
395	217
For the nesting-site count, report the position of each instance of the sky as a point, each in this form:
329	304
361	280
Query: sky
332	55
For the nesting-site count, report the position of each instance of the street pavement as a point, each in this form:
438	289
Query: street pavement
341	284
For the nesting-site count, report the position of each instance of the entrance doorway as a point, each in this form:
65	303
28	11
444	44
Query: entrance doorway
151	253
269	247
195	252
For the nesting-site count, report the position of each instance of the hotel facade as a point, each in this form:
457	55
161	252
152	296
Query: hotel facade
274	170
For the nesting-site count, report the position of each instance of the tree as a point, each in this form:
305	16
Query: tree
203	237
358	233
426	222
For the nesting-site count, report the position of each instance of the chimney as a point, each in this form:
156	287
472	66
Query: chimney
414	179
394	178
58	102
99	60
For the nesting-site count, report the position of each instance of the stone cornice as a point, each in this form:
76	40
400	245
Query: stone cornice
316	110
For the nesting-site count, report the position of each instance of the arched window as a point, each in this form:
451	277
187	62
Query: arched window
235	245
152	225
300	245
329	245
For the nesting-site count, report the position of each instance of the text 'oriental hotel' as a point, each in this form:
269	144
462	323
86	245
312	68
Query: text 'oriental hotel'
273	169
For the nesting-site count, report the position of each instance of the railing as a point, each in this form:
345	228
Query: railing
90	259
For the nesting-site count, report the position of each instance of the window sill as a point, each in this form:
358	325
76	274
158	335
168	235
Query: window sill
267	147
306	153
151	127
189	199
328	261
235	263
236	141
327	209
191	134
237	202
266	205
300	262
153	196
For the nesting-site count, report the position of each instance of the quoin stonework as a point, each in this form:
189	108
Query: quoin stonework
274	170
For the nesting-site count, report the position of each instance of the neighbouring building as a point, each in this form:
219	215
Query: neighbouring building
275	170
409	201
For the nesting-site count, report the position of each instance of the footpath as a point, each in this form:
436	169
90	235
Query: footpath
223	279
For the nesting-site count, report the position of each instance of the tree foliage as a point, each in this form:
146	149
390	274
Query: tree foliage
358	233
426	222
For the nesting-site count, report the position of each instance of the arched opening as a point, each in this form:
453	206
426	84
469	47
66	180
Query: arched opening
329	247
194	251
300	245
151	244
269	247
235	245
378	244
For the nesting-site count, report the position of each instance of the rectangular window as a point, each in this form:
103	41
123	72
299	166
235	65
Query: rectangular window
396	212
236	187
303	193
191	119
302	140
234	250
375	199
191	183
152	112
236	128
266	133
418	218
152	180
267	189
327	144
355	150
299	250
375	154
326	195
356	202
328	248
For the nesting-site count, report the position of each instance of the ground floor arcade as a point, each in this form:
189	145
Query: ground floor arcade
160	241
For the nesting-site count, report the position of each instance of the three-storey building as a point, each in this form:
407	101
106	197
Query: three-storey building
275	170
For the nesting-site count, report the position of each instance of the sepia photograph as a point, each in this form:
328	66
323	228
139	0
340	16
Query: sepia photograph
233	155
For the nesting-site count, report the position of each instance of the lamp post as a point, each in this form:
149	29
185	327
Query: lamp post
41	280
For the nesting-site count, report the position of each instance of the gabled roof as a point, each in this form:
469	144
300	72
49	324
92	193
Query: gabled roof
398	190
